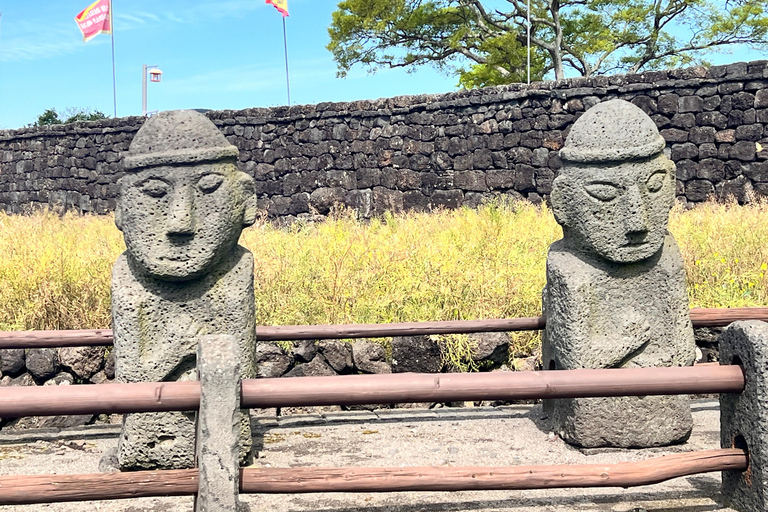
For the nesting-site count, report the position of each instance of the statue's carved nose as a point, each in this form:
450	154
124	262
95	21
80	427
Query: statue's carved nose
180	215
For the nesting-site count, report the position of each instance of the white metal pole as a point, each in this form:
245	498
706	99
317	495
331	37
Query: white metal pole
114	76
144	90
529	41
285	46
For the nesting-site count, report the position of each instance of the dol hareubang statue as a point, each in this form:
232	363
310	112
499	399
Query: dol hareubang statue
615	294
181	207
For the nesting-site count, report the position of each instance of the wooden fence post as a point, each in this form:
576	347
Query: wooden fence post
218	424
744	416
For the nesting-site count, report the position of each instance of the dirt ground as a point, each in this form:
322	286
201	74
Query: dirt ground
465	436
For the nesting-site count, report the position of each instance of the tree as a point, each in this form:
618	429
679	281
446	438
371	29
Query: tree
485	41
51	116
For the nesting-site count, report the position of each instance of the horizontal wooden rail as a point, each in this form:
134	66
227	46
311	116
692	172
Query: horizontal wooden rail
103	337
459	387
366	389
28	489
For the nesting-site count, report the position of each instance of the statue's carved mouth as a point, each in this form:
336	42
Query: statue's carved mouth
175	257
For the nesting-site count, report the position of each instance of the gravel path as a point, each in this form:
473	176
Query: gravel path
503	436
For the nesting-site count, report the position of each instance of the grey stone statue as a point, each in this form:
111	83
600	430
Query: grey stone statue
181	207
615	295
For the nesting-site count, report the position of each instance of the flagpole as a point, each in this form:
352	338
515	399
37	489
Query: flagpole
114	77
285	45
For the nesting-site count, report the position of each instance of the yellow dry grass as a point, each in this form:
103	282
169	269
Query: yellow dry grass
448	265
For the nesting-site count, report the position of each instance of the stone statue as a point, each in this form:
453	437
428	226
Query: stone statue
615	295
181	207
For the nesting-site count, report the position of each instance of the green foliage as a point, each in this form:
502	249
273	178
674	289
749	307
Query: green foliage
51	116
484	42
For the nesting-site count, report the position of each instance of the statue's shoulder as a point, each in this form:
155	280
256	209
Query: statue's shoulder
561	257
121	270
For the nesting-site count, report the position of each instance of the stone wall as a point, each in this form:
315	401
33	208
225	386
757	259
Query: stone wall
422	152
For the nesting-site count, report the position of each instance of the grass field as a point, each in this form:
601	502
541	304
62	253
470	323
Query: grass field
464	264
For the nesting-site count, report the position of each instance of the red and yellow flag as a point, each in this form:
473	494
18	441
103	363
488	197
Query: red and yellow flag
280	5
95	19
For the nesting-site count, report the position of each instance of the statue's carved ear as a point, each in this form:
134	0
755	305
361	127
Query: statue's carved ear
250	210
558	200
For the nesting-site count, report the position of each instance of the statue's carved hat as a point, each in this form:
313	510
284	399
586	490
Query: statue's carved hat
177	137
612	131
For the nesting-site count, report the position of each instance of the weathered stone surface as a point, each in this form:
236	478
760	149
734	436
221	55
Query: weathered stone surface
109	365
370	357
744	416
182	205
220	425
417	354
317	367
615	293
42	363
492	347
12	361
82	361
305	350
337	354
271	361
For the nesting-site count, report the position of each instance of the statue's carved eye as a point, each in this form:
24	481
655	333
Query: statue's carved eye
603	191
656	181
210	182
154	187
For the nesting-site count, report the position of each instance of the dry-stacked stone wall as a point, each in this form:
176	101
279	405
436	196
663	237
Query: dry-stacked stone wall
423	152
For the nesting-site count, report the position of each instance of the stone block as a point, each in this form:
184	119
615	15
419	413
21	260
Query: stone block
325	198
470	180
337	354
674	135
491	347
386	200
753	132
701	134
370	357
744	416
690	104
711	169
738	189
42	363
686	150
271	361
715	119
418	354
450	199
318	367
744	151
12	360
219	425
743	100
82	361
304	351
761	98
698	190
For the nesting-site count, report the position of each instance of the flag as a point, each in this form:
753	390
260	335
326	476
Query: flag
94	20
280	5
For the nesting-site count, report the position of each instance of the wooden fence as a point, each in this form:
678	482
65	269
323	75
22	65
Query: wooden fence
700	317
364	389
358	389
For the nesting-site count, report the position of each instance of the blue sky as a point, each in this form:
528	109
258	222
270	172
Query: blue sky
214	54
225	54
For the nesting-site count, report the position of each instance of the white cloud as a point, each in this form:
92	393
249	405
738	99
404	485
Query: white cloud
25	40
